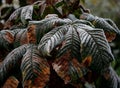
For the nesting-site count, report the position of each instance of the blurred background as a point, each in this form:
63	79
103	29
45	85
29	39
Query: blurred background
102	8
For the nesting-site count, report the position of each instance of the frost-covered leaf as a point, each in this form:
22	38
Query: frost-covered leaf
20	37
94	43
105	24
15	14
6	39
26	13
11	63
47	24
81	40
20	16
109	78
35	69
69	69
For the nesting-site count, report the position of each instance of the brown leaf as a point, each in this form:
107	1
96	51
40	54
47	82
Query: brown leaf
68	68
21	37
9	37
11	82
31	34
110	36
87	61
8	24
35	69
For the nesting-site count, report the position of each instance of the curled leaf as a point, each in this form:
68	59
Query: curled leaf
106	24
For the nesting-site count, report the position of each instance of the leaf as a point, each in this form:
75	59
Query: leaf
110	36
21	15
94	43
84	22
31	34
106	25
20	37
71	43
59	3
13	38
11	62
6	39
8	42
52	39
112	23
69	69
11	82
15	14
81	40
42	9
26	13
47	24
109	78
35	69
66	41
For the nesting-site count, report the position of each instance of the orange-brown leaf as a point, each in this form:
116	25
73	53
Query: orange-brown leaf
9	37
110	36
68	68
35	69
31	34
21	37
11	82
87	61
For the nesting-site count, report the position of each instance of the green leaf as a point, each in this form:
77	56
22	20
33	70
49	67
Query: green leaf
35	69
59	3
